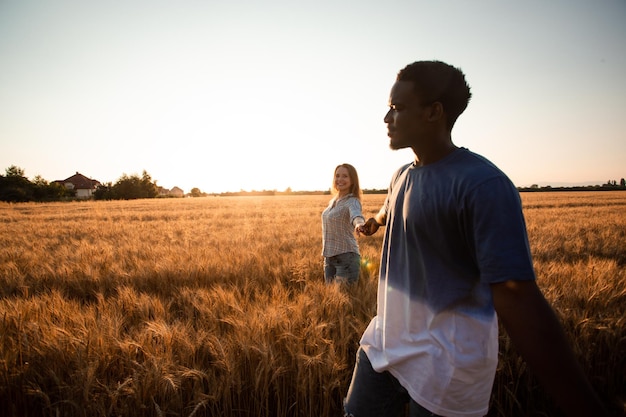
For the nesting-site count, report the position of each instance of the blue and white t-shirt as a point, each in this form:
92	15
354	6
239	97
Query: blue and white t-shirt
453	228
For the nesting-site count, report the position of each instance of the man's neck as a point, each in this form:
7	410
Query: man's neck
434	153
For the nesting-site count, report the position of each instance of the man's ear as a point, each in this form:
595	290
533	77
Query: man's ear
435	112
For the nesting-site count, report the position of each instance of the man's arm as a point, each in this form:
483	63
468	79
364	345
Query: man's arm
539	337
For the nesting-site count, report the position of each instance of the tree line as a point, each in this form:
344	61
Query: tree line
128	188
609	185
15	187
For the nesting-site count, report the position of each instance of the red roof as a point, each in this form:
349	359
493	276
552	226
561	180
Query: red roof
81	182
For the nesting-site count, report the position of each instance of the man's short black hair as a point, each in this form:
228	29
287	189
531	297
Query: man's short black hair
436	81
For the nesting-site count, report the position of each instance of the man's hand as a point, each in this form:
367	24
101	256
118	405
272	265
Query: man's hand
368	228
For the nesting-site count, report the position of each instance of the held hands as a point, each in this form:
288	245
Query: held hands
368	228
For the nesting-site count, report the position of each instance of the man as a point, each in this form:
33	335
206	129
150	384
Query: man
455	253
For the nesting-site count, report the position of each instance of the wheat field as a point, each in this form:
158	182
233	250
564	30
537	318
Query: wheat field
216	306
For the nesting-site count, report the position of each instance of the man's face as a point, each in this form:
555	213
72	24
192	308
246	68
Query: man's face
406	117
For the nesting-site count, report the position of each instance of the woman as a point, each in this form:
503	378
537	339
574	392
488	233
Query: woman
342	260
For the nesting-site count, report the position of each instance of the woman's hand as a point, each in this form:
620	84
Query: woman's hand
368	228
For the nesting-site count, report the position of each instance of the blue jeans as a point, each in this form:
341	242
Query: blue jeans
345	265
376	394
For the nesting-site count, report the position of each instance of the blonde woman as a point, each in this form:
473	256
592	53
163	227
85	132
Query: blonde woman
340	220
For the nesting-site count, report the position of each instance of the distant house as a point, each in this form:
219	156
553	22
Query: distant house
174	192
83	186
177	192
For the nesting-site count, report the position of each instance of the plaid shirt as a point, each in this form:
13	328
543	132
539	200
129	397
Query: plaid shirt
338	222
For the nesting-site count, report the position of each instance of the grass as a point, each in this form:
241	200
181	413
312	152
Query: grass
216	306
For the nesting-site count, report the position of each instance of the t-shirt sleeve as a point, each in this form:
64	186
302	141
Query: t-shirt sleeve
500	238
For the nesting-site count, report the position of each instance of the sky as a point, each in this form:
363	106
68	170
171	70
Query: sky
249	95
